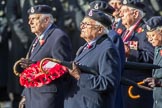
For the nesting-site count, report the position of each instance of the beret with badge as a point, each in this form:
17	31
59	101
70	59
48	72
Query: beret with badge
134	3
103	6
153	23
40	9
99	16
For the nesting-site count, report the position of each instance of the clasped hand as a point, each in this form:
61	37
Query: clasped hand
152	82
22	102
75	71
24	63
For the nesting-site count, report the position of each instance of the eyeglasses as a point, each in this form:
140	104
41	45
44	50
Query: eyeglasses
86	25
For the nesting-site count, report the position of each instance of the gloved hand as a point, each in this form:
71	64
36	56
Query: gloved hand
152	82
22	102
75	71
24	63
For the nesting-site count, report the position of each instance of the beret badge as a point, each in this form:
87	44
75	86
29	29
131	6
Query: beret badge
125	2
148	27
32	10
96	6
90	13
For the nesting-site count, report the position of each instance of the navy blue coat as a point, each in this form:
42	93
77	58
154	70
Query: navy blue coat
96	91
117	40
57	45
144	53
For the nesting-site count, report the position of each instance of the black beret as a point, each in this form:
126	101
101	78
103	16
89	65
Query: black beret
99	16
103	6
134	3
40	9
153	23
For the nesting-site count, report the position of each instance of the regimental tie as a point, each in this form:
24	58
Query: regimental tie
34	45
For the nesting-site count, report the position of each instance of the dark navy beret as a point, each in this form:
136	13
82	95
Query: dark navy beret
153	23
103	6
99	16
134	3
40	9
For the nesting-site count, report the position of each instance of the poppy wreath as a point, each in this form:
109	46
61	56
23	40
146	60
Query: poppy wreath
33	76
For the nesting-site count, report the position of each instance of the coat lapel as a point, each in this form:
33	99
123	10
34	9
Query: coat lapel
38	46
158	59
84	52
30	48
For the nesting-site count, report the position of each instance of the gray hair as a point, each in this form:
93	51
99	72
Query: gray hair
43	16
105	28
141	13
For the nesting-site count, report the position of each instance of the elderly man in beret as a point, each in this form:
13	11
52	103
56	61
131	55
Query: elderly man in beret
50	42
154	35
99	53
137	49
109	10
117	40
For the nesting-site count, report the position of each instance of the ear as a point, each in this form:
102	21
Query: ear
100	29
46	20
136	14
161	30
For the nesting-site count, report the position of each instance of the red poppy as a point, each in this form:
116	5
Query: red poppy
140	30
161	52
119	31
41	41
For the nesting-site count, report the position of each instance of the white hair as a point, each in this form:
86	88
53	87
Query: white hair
141	13
43	16
159	28
105	28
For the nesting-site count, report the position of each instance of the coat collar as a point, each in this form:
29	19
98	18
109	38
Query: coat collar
81	52
38	46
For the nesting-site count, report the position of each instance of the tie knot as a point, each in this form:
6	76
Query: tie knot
89	46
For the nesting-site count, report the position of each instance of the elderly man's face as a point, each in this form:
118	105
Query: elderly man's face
37	24
89	29
155	37
127	15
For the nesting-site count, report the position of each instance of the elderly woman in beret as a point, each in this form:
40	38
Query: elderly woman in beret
154	35
99	53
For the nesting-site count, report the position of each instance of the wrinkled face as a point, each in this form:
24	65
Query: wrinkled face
127	15
116	4
37	24
155	37
89	29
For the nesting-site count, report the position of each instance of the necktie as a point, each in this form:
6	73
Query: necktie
34	45
89	46
126	36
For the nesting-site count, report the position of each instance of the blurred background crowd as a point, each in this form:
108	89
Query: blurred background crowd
15	35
